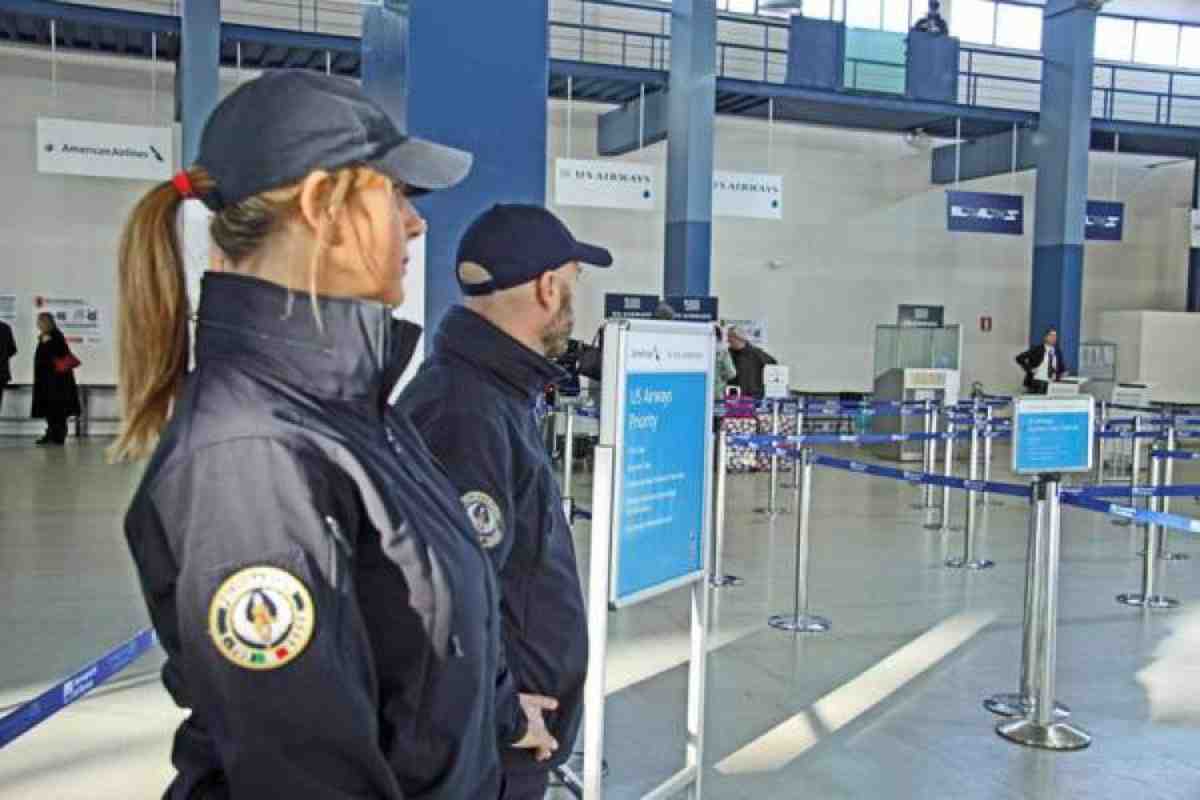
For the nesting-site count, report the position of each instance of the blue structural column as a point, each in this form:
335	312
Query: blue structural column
197	78
478	75
1193	290
1068	45
385	57
691	118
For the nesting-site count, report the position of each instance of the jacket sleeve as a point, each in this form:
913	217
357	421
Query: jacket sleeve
477	455
767	359
1023	361
8	345
271	643
725	366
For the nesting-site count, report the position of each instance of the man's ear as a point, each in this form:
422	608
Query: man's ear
547	290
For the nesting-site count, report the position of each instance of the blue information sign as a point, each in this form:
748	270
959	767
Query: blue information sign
662	502
984	212
1105	221
1053	435
630	306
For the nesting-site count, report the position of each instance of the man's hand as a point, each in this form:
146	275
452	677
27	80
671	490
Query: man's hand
537	737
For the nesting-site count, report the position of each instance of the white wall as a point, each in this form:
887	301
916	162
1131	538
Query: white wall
865	231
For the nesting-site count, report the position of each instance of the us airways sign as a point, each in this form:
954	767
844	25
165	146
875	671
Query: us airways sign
605	184
983	212
102	150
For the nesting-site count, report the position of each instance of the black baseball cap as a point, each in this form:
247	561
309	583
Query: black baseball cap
273	131
515	244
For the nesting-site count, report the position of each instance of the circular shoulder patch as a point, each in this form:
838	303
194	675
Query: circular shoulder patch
261	618
484	513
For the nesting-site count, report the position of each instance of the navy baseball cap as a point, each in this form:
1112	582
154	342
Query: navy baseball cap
509	245
273	131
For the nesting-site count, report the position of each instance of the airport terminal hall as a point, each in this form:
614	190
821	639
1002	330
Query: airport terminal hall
600	399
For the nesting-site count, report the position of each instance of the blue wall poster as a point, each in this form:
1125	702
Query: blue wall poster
983	212
629	306
1053	434
1105	221
695	309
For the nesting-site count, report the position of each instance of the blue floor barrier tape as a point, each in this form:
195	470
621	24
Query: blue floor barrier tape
1176	455
1139	491
765	442
1136	515
921	478
58	697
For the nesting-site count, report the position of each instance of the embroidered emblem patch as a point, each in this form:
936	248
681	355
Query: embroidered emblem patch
484	513
261	618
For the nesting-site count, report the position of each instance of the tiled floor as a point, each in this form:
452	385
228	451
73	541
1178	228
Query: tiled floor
885	706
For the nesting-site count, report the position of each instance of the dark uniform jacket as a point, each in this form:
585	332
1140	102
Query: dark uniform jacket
1032	359
477	403
326	610
749	362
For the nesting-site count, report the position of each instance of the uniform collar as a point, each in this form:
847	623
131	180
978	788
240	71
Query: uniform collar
359	355
472	338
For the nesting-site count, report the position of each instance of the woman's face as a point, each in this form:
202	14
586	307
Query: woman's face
43	325
387	223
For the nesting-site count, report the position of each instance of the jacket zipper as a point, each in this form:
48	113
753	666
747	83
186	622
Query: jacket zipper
337	546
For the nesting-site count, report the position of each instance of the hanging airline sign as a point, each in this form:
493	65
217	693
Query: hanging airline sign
737	194
102	150
630	306
605	184
1105	221
694	309
983	212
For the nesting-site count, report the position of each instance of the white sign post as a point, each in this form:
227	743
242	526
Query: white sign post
74	147
651	509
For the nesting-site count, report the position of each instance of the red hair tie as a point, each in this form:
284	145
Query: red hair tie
183	184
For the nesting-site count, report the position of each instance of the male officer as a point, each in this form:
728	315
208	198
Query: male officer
1043	364
477	401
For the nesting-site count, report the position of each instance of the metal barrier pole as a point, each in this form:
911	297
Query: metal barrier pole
773	509
1040	728
800	621
569	467
926	498
1135	469
1148	597
718	578
948	470
1101	446
795	461
931	427
968	560
1164	503
989	419
1024	700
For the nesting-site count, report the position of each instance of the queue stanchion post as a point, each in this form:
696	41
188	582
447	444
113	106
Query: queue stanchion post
773	509
1041	727
799	432
719	579
948	470
1022	702
968	560
988	451
931	466
926	499
569	466
1135	468
1100	445
800	620
1164	503
1149	597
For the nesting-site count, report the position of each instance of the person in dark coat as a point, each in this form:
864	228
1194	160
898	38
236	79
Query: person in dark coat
749	361
55	393
1043	364
8	349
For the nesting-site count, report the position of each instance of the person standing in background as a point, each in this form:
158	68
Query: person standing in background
8	349
749	362
724	371
1043	364
55	393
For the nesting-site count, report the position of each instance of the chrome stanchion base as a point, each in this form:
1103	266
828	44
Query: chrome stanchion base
1056	736
721	581
773	512
978	564
1012	704
805	623
1154	601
